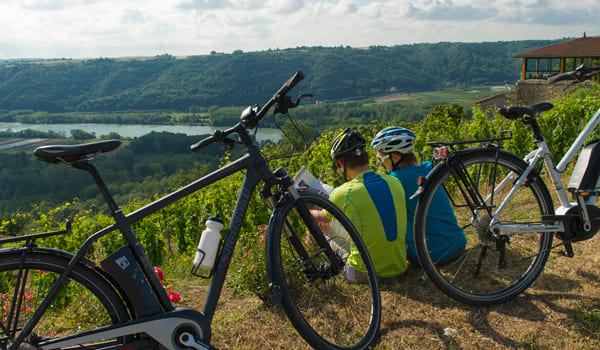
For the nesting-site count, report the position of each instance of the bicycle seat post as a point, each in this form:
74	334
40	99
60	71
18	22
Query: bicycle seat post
91	169
128	234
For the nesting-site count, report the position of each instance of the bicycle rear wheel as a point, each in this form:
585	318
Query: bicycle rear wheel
85	302
328	310
494	267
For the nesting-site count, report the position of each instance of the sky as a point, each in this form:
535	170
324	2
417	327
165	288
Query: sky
129	28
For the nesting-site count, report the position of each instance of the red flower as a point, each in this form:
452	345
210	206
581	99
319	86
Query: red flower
159	273
174	297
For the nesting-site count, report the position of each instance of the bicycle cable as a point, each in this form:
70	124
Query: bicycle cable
290	139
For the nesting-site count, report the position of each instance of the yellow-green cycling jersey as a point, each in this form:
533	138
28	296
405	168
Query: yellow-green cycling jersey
376	206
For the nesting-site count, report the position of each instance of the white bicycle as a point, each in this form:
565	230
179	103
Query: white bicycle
505	209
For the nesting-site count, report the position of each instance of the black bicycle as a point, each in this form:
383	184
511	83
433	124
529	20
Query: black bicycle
54	299
503	205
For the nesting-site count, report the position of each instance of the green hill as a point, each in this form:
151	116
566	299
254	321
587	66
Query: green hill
196	83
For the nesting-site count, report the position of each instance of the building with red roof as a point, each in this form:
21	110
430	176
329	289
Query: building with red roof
561	57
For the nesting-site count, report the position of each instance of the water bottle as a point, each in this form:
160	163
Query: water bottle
209	244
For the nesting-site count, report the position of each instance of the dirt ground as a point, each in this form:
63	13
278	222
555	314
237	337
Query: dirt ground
560	311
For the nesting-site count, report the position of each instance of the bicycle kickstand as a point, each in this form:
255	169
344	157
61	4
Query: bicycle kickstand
568	252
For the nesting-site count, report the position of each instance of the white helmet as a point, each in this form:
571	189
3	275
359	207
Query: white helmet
394	139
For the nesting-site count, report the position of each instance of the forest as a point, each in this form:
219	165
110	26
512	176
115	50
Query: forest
194	84
136	174
410	107
154	163
209	90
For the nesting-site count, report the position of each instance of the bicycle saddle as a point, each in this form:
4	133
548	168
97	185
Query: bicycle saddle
71	153
516	112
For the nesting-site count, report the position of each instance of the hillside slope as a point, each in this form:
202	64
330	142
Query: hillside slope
198	82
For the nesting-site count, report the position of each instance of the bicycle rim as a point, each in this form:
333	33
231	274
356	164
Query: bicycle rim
85	302
486	273
329	311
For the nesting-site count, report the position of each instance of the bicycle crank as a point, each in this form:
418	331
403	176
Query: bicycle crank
187	339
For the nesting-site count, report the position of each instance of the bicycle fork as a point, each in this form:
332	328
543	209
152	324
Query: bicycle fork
305	259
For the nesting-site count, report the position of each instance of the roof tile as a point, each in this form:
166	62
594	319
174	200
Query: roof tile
587	46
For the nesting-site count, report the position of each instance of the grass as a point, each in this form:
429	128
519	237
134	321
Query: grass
560	311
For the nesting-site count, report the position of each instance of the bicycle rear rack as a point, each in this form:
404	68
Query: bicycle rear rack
504	135
33	237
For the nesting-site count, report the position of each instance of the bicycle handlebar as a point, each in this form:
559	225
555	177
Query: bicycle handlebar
285	88
277	98
579	74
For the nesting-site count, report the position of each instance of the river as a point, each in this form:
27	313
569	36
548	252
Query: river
132	130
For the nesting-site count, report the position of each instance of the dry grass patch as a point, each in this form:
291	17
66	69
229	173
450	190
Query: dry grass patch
560	311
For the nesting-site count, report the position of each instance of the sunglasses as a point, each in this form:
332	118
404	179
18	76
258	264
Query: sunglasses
382	158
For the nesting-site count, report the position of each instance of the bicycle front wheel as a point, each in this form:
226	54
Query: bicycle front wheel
328	310
494	267
85	302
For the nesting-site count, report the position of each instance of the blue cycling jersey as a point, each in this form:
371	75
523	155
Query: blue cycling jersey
445	237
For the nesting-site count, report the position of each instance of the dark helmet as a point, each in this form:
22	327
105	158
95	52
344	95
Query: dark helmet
348	143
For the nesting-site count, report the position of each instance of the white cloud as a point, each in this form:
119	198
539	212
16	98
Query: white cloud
51	5
203	4
114	28
285	6
345	7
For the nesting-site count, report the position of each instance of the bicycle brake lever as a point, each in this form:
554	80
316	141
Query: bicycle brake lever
284	103
228	144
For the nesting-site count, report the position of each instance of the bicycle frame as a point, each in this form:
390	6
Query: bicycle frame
543	152
256	170
155	321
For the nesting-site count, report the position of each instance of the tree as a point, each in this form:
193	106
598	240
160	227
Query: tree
111	136
79	134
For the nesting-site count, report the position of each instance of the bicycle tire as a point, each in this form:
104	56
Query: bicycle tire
86	302
525	254
329	312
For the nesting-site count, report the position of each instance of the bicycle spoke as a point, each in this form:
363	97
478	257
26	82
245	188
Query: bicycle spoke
84	303
328	310
495	266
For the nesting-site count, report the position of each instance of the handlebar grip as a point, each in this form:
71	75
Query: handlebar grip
289	85
563	76
202	143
